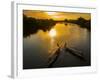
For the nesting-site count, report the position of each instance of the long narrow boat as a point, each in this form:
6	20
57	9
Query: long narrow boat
54	58
75	52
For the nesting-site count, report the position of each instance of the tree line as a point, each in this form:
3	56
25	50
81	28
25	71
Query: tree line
32	25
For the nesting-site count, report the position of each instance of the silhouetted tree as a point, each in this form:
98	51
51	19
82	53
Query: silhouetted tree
32	25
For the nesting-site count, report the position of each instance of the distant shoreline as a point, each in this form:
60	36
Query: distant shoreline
32	25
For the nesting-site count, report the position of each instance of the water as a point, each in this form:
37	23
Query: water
38	47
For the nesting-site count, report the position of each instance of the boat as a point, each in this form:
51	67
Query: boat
75	52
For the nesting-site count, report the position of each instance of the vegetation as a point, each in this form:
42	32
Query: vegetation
32	25
82	22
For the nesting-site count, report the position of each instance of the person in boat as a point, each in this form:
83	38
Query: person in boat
58	50
65	45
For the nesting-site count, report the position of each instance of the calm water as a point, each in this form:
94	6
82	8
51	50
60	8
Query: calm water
38	47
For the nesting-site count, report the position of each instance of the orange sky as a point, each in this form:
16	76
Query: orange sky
55	15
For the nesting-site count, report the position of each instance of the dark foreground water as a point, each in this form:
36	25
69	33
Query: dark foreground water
37	48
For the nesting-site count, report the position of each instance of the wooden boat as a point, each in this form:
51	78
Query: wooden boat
55	56
74	52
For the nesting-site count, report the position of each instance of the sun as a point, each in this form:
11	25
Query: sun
52	32
51	13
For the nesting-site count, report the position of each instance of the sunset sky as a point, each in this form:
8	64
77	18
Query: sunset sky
55	15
